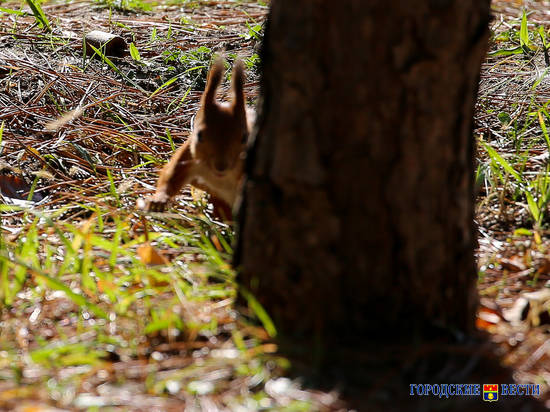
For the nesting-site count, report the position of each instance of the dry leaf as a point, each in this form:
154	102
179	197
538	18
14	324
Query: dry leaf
104	285
513	264
149	255
544	268
16	188
483	324
489	314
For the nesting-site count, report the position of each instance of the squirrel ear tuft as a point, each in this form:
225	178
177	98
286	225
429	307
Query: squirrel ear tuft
237	85
214	79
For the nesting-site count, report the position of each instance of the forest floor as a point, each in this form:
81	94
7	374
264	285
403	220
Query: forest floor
88	321
513	179
104	309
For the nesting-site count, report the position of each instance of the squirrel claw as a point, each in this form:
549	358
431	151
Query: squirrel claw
155	203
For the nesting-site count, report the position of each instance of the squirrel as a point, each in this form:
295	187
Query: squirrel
212	158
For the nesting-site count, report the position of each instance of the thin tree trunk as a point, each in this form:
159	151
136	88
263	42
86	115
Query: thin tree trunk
357	215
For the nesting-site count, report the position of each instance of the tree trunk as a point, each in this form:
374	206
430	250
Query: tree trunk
357	213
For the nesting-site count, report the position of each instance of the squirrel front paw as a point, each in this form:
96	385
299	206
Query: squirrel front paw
155	203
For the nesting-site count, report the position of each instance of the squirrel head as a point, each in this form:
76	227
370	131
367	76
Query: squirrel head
220	131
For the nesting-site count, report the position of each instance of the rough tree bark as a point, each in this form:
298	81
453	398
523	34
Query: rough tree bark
357	214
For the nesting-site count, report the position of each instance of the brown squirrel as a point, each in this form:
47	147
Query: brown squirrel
212	158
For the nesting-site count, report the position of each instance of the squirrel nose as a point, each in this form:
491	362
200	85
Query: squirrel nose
220	165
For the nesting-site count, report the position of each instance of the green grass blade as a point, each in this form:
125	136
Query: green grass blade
170	140
259	311
544	130
524	33
506	52
84	153
542	36
39	15
114	246
33	188
112	187
106	60
164	85
109	63
532	206
500	160
134	52
173	79
11	11
7	291
58	285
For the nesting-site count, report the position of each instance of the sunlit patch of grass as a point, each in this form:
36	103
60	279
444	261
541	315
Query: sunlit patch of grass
518	129
99	300
512	176
93	266
96	298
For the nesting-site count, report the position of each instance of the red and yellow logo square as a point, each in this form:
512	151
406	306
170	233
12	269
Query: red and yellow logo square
490	392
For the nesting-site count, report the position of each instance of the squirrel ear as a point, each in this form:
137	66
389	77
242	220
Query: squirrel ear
214	79
237	80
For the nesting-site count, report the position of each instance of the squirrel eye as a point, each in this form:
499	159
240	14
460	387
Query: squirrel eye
199	136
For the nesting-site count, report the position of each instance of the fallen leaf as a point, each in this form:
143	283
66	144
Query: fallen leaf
149	255
544	268
104	285
16	188
483	325
513	264
487	317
